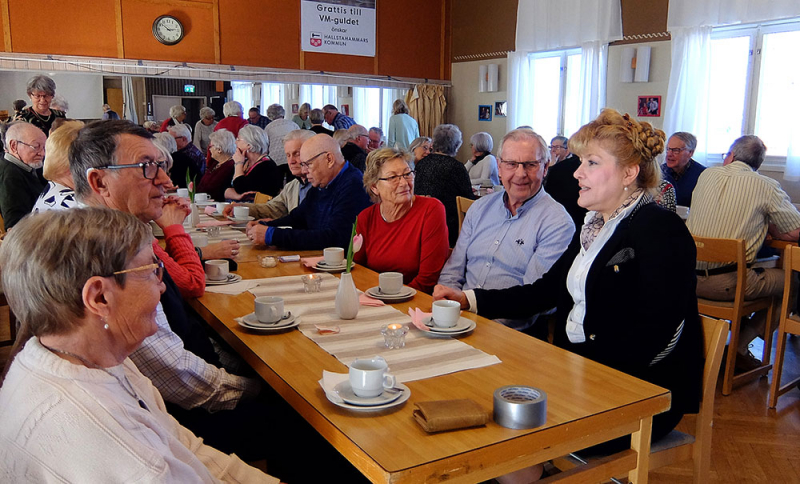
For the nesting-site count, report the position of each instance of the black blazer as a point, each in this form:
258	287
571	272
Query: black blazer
564	188
640	294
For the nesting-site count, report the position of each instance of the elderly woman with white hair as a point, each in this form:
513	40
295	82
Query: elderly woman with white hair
403	129
72	397
204	128
482	167
41	90
254	171
277	128
219	175
419	149
177	114
59	194
234	118
443	177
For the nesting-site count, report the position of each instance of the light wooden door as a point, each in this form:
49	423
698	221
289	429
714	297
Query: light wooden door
114	99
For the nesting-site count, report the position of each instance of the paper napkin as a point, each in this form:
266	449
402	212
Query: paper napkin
311	262
418	317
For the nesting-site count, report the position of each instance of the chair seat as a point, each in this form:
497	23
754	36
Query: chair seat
672	439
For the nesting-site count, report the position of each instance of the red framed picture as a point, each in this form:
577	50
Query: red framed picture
649	106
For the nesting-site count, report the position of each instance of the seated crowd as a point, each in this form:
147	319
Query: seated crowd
580	229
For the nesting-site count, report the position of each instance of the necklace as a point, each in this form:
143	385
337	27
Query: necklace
44	120
380	209
128	388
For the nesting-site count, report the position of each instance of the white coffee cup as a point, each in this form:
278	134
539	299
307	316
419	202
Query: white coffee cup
199	240
201	197
241	212
334	255
446	313
369	377
269	309
183	192
221	206
390	282
217	269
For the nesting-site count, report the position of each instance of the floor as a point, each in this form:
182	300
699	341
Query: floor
751	443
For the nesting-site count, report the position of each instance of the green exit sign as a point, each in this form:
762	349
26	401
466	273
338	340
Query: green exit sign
188	88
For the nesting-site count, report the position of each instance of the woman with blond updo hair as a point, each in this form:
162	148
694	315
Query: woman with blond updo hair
625	287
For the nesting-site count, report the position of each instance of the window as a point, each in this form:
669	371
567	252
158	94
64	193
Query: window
271	93
753	87
555	88
243	93
372	106
317	95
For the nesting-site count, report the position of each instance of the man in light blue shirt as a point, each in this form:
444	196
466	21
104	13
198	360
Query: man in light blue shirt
514	236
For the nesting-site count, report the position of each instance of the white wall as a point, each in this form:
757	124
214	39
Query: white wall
83	92
623	96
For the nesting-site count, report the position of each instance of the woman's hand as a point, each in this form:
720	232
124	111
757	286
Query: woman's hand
174	212
240	156
228	212
232	194
227	249
444	292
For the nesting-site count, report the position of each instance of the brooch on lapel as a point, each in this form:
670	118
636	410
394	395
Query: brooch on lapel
621	257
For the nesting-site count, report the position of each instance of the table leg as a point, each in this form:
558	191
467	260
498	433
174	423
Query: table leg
640	442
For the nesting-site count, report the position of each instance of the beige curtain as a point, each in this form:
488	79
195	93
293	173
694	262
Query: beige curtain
426	104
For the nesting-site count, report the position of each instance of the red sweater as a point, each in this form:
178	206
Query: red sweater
181	261
416	245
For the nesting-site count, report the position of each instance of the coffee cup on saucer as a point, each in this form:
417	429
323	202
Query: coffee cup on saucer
269	309
183	192
217	269
241	212
334	256
221	206
369	377
390	282
201	197
446	313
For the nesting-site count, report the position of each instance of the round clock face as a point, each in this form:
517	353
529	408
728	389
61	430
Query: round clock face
168	30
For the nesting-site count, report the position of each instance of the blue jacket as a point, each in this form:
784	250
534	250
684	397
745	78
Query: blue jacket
326	216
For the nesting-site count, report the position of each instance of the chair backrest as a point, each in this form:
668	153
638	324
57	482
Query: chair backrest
715	335
463	205
262	198
725	250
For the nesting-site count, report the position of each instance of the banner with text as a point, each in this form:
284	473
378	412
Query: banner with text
338	27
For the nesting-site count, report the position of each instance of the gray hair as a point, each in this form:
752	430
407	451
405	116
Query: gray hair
206	112
96	146
418	142
256	138
275	111
317	116
376	129
149	124
165	151
482	142
355	131
298	134
688	139
749	149
375	161
399	107
563	139
447	139
342	136
181	131
329	107
166	141
44	282
223	140
526	134
59	103
16	130
232	108
41	83
176	111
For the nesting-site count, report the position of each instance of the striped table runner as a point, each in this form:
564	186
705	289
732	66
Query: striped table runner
226	232
422	357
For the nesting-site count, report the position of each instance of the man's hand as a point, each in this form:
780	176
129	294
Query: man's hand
256	233
444	292
174	212
253	223
228	212
227	249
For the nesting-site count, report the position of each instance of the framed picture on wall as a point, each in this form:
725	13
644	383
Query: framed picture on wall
346	109
484	112
500	108
649	106
295	108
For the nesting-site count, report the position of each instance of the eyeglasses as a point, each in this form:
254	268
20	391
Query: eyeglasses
35	147
557	147
527	165
39	97
407	176
149	168
675	151
307	164
156	267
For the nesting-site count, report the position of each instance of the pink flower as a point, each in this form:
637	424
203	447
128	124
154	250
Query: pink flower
191	186
358	241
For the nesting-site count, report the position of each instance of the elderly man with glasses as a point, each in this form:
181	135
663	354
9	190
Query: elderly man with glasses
20	185
560	184
325	217
513	236
680	169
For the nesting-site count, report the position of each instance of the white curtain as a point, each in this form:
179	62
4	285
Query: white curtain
271	93
557	24
694	13
129	99
520	102
594	66
689	78
243	93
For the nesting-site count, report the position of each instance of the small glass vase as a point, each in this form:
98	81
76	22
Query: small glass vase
347	297
194	217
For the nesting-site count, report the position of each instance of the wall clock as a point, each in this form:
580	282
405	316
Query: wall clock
168	30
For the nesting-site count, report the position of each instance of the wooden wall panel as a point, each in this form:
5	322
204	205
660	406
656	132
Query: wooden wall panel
62	27
339	63
484	28
412	48
260	33
198	22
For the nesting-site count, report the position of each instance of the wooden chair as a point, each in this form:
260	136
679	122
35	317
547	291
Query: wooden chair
789	324
463	205
733	251
262	198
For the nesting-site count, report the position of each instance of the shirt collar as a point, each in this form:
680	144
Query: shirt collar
16	161
526	205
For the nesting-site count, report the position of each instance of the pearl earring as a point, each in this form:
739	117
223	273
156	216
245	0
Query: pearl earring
626	189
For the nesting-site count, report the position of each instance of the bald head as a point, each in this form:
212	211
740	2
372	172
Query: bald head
321	159
26	142
359	136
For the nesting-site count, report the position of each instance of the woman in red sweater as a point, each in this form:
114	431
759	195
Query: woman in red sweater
402	232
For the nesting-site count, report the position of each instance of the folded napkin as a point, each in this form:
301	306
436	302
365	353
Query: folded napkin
311	262
214	223
365	300
329	381
237	287
211	209
418	317
440	415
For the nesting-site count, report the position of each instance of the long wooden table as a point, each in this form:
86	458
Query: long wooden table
588	403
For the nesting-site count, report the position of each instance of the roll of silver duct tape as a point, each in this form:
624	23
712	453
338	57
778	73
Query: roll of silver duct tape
520	407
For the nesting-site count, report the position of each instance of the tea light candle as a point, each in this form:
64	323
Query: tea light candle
394	335
311	282
267	261
395	326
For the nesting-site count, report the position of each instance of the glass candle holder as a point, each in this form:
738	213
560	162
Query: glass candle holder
213	231
394	335
311	282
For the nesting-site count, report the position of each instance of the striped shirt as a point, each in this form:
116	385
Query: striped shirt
735	202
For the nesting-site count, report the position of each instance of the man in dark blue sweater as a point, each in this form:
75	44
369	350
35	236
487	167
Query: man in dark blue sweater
326	216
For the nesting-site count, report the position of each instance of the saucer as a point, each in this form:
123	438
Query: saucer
250	322
404	395
205	203
326	268
216	214
405	293
246	219
463	326
230	280
345	391
332	266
